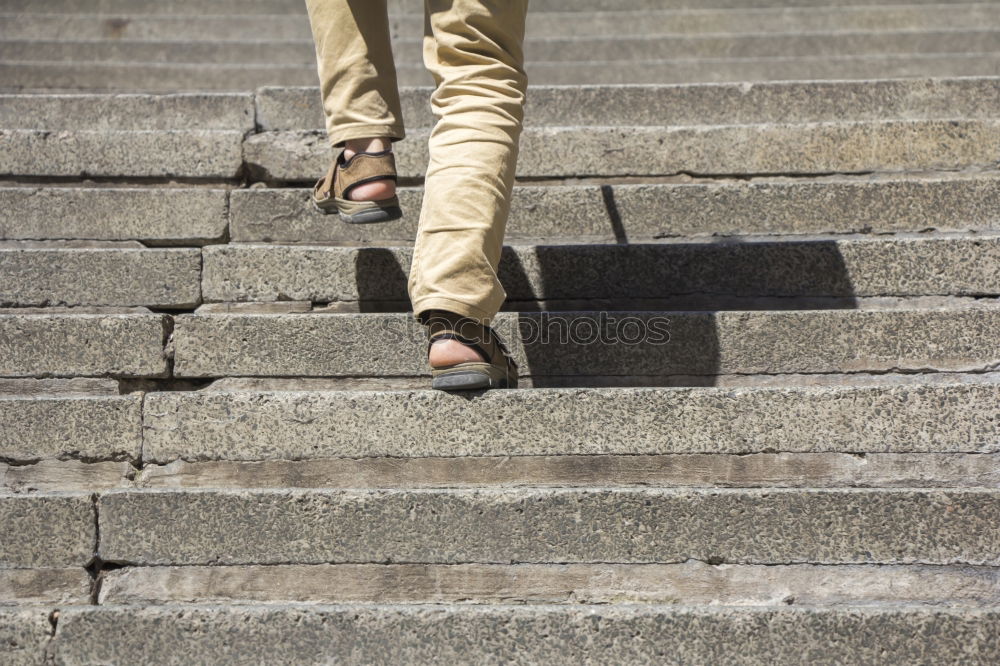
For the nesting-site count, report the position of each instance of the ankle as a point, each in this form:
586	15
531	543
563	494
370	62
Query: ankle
371	145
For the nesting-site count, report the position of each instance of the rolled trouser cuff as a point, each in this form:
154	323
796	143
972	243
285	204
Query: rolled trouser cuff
340	135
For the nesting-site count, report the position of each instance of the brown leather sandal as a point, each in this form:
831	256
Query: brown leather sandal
331	191
498	371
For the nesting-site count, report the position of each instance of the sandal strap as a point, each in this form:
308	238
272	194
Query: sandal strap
473	334
321	190
344	175
360	169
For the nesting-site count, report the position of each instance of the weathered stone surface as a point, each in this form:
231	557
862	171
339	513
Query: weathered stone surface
633	5
758	206
780	381
280	109
657	21
287	215
65	475
620	343
771	206
291	7
256	51
273	307
694	582
181	215
182	7
92	428
157	77
117	113
65	344
539	49
152	27
773	526
73	386
592	24
870	470
891	145
44	586
160	277
180	153
169	77
293	425
822	267
533	634
639	48
738	70
50	530
24	635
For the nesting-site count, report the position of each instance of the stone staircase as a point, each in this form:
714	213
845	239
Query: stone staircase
756	312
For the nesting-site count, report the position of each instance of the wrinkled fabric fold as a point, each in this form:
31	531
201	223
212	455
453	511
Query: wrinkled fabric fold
474	51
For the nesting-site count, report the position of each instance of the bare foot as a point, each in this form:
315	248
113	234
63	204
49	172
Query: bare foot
376	190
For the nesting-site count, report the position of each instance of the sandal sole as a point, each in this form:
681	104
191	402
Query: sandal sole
373	216
364	212
468	381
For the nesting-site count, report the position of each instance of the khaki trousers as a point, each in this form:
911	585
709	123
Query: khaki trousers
473	48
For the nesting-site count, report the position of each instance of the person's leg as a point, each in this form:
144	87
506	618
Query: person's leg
474	50
357	81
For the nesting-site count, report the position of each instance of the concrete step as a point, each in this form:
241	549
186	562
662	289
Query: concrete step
104	273
701	104
190	136
209	145
304	424
550	152
153	77
535	634
634	5
126	274
596	525
161	215
53	343
30	587
40	426
239	27
287	215
591	213
47	530
359	634
155	154
807	148
821	267
27	632
53	475
671	470
121	113
650	344
253	7
540	49
917	429
695	582
781	19
277	109
757	470
624	212
766	45
67	342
